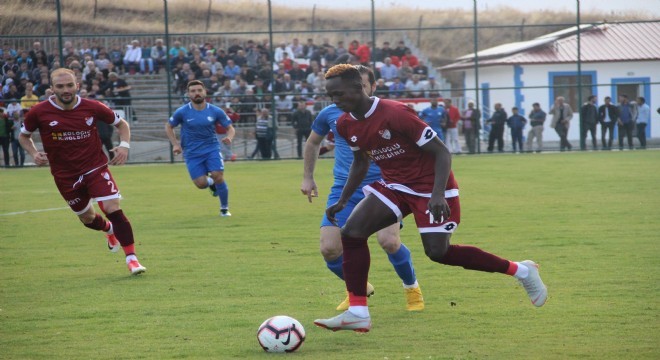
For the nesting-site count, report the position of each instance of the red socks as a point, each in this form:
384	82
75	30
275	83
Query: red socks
356	269
473	258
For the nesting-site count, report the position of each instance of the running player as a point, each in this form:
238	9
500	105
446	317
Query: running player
199	144
388	238
72	147
416	178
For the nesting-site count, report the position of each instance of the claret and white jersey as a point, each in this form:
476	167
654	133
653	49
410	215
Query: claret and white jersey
70	137
392	134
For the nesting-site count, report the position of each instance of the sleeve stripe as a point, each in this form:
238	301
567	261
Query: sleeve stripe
23	131
427	135
355	148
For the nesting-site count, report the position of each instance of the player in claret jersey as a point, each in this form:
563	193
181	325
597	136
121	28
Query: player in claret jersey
72	147
417	179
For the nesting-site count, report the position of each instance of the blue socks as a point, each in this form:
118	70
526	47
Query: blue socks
403	266
336	266
223	193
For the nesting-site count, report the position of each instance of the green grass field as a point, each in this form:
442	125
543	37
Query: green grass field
592	220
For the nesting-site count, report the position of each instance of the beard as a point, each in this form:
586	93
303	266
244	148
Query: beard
63	101
198	100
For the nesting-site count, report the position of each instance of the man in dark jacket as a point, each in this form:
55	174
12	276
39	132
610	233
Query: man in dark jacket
588	121
496	123
608	115
301	120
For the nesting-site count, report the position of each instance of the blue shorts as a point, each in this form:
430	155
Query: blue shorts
203	164
333	197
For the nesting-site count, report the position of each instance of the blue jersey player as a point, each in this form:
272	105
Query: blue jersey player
199	144
331	247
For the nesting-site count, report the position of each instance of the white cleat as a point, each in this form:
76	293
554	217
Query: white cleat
536	290
345	321
134	267
225	213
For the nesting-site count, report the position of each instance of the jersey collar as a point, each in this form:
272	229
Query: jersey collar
51	100
371	110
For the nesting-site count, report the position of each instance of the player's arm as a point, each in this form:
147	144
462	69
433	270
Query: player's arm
231	132
176	146
310	155
356	175
437	204
121	151
26	143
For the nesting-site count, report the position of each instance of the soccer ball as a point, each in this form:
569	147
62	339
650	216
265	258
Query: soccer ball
281	334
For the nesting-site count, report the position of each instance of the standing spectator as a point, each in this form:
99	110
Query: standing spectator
435	117
199	143
588	121
536	120
280	50
517	123
453	116
608	115
627	117
410	58
405	72
471	124
5	135
264	134
561	121
301	120
133	58
421	70
77	163
389	71
643	119
496	122
159	55
384	52
17	151
400	50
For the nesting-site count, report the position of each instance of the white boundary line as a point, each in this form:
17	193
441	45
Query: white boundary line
33	211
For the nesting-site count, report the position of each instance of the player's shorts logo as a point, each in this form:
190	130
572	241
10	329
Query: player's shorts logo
385	134
74	201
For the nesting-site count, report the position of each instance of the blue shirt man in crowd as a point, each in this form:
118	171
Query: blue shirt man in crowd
434	116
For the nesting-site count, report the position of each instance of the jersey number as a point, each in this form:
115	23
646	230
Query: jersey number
112	187
432	218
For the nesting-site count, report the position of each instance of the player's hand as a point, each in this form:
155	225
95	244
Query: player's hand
41	159
439	209
309	188
332	210
121	155
176	149
226	141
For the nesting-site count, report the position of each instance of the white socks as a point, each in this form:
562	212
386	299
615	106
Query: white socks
522	272
359	311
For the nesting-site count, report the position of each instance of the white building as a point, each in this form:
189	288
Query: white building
615	59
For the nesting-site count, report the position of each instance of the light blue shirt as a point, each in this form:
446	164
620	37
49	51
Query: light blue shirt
198	128
643	114
433	117
325	122
389	72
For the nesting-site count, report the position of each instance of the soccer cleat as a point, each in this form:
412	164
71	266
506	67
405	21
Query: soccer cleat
533	284
113	243
345	321
343	306
225	213
414	299
134	267
213	190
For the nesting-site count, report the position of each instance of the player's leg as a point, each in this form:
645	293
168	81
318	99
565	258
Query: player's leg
401	260
436	240
216	166
330	242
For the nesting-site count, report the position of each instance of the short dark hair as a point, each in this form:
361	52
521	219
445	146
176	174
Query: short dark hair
591	97
366	70
514	108
536	104
642	99
195	82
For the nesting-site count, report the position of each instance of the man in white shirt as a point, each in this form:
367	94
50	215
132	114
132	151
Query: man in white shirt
643	119
133	56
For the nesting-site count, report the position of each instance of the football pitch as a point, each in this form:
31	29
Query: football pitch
591	220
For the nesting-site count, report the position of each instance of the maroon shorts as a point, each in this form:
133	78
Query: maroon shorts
403	203
78	192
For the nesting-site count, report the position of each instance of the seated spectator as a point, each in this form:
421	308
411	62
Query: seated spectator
421	70
24	58
224	93
382	90
176	49
206	80
297	74
405	72
284	107
286	62
341	50
231	70
116	57
133	57
248	74
432	89
297	48
284	84
159	55
400	50
240	89
239	58
103	63
397	89
281	50
410	58
415	88
309	48
389	71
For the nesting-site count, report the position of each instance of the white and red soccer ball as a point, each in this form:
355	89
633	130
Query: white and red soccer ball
281	334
